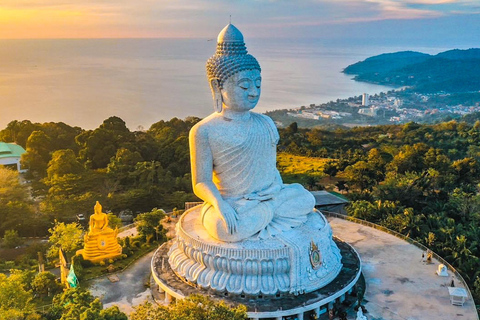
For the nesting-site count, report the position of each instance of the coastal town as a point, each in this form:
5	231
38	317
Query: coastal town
392	107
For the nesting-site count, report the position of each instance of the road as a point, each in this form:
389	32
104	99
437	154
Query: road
129	291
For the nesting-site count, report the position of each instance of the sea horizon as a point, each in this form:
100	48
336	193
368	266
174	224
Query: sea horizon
144	80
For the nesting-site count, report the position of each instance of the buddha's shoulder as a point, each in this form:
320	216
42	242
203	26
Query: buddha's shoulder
262	117
206	124
265	119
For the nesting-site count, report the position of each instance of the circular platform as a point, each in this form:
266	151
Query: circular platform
262	307
297	261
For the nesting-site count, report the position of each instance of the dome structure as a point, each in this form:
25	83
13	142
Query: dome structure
230	34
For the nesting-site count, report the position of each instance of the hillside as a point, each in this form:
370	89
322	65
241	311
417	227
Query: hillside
386	62
450	71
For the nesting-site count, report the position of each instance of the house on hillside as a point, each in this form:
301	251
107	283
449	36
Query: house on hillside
10	154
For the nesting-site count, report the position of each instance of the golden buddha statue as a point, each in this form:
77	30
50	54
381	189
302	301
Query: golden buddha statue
100	241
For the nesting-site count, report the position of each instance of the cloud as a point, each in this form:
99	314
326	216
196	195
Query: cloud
416	9
203	18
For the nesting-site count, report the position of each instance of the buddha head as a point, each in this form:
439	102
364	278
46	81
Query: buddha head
97	208
233	74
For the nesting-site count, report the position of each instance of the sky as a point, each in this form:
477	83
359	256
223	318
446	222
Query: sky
364	20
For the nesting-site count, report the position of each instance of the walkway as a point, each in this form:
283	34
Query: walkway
130	232
130	290
399	285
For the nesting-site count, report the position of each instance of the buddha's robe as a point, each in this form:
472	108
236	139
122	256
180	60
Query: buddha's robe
245	173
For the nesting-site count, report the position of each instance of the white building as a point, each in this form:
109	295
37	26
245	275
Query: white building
365	100
10	154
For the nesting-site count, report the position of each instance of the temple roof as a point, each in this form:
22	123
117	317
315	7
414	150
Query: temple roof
325	198
8	150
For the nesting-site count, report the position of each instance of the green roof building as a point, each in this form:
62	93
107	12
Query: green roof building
10	154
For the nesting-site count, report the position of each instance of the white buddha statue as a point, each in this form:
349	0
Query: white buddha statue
233	154
254	235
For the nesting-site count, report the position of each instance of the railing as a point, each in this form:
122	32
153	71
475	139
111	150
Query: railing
403	237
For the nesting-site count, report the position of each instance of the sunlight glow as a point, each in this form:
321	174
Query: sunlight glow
33	23
176	18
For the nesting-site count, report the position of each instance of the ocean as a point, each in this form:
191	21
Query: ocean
82	82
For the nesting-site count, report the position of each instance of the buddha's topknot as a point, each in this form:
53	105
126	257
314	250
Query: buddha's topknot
231	56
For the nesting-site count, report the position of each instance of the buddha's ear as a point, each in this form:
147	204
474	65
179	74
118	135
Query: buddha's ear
217	95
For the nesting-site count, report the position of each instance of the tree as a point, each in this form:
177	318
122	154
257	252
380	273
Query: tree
11	239
195	307
292	128
378	159
79	304
65	236
16	210
407	223
148	223
373	211
122	164
45	283
72	194
78	263
62	163
62	136
38	153
15	300
330	168
409	189
18	132
476	290
467	170
101	144
361	175
114	221
113	313
410	158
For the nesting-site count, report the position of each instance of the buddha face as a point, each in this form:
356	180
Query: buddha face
242	90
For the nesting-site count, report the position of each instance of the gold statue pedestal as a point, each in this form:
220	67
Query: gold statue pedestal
100	241
101	246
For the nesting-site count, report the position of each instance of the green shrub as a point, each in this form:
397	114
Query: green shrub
127	252
83	262
149	238
136	244
127	243
11	239
78	262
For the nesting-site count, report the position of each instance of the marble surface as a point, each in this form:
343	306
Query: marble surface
233	154
254	235
399	284
282	305
281	264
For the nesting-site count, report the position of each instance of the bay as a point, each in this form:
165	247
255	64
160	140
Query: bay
82	82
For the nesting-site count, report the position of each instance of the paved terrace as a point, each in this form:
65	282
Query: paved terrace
399	285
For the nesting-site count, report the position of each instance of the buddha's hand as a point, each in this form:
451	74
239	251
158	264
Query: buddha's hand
229	215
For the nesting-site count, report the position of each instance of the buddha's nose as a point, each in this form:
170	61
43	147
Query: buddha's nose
253	92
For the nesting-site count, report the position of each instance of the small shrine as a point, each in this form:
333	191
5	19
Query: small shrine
100	241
